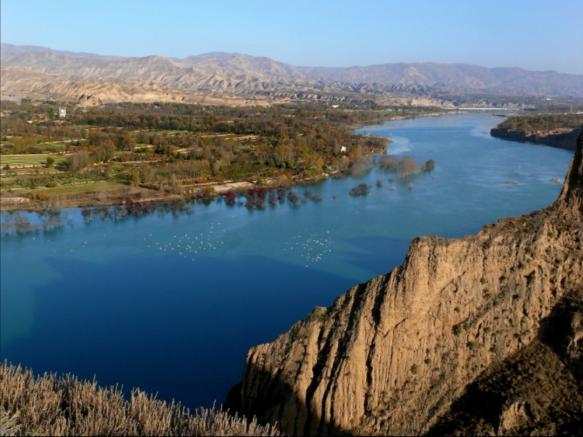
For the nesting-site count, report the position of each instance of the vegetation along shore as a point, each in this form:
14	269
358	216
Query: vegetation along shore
56	156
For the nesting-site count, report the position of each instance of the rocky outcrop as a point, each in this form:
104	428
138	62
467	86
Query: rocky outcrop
531	393
537	391
393	355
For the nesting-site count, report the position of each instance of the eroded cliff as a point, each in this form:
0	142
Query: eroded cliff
392	355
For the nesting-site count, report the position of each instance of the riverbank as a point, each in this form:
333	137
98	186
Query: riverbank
122	195
551	130
111	192
128	153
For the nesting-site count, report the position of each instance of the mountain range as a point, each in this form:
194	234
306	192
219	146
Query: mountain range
43	73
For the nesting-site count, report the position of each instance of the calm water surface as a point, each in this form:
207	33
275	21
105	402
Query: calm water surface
171	302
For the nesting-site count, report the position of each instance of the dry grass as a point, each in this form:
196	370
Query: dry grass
8	424
51	405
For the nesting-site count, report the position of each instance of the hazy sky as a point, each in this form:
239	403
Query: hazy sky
534	34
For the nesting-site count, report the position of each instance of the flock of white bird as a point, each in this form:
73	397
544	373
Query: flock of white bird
309	248
189	245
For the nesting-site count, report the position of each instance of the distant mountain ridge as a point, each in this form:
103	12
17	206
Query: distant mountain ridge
461	77
39	72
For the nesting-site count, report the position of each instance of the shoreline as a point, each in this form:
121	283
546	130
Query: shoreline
561	140
138	195
541	129
143	195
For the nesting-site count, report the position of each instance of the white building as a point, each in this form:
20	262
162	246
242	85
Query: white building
62	112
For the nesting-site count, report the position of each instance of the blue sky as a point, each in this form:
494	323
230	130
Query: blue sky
534	34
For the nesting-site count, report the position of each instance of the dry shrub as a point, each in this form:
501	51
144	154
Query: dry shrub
8	424
51	405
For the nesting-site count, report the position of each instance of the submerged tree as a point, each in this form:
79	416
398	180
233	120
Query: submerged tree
388	163
428	165
360	190
407	167
230	198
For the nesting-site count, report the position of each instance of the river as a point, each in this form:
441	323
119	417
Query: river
170	302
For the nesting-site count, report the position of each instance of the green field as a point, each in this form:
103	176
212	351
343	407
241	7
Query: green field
57	146
30	159
81	188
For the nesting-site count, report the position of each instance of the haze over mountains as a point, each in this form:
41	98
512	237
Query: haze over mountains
38	72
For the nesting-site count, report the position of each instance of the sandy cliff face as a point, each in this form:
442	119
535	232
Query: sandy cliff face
392	355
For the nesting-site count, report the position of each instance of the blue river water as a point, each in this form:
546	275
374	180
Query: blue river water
170	302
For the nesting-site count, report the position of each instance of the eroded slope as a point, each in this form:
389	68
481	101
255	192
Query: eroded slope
391	355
